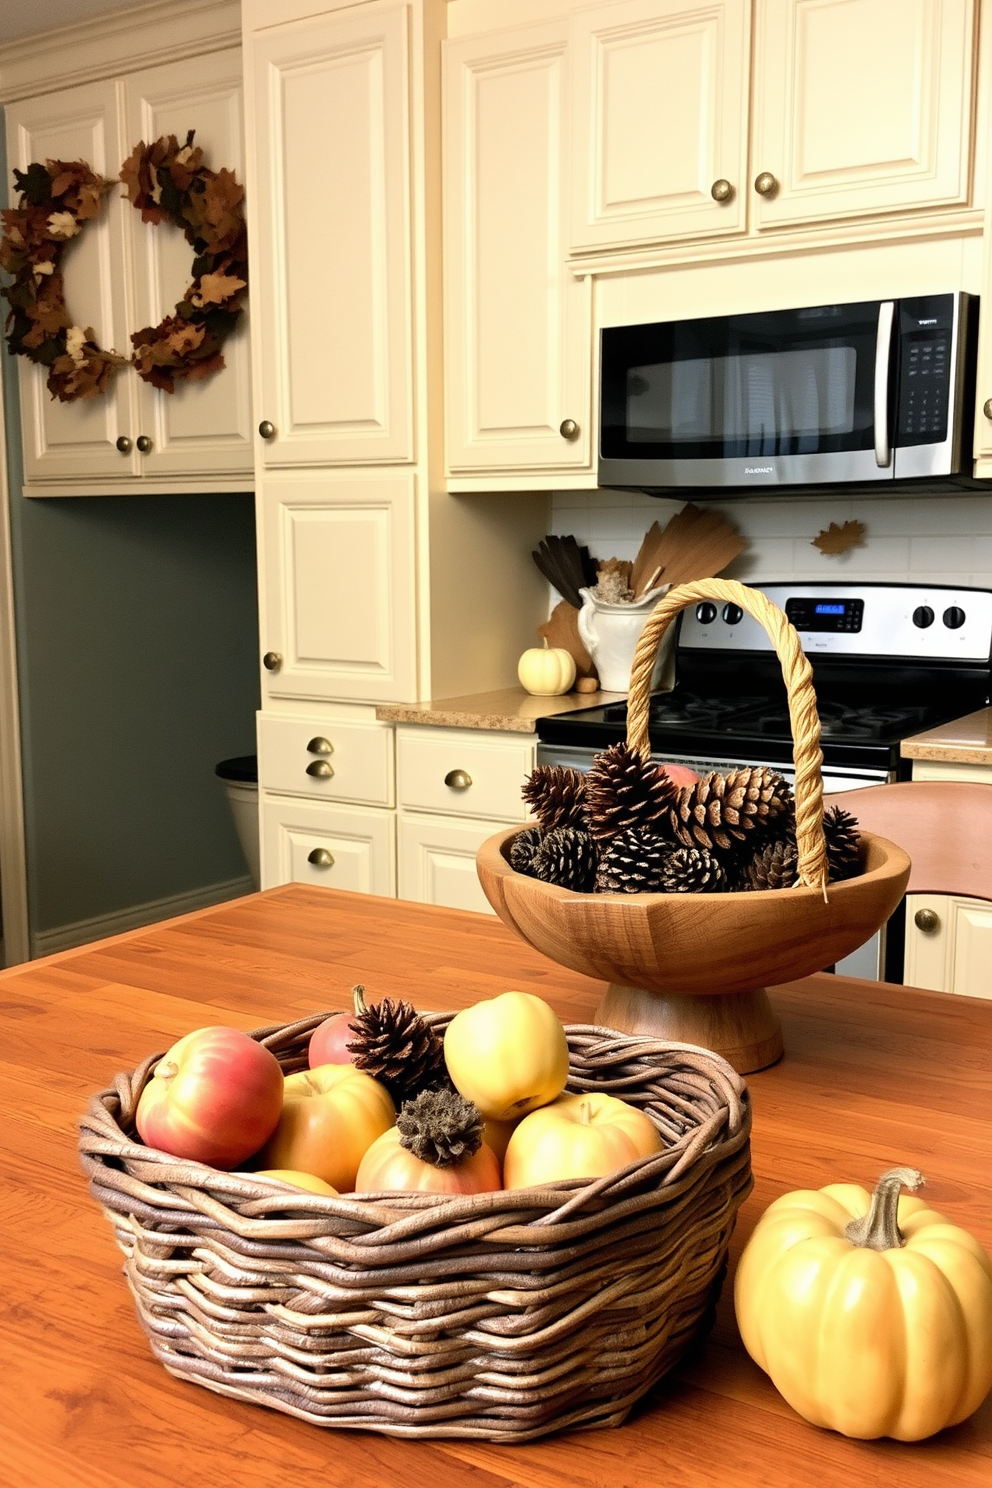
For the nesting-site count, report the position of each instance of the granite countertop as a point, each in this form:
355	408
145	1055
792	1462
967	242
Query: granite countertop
510	710
966	741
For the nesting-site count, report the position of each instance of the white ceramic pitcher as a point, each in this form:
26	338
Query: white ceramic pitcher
610	633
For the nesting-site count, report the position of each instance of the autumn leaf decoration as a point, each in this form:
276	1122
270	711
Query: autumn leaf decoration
168	182
57	199
833	539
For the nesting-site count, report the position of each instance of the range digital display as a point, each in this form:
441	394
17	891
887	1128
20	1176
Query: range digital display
826	614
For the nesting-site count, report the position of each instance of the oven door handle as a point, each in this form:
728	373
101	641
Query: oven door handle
883	361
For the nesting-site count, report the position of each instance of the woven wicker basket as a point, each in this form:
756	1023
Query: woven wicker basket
503	1316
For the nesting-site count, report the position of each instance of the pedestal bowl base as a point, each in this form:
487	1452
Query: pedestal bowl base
742	1026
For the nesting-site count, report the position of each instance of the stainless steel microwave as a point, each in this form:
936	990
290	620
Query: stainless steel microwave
880	390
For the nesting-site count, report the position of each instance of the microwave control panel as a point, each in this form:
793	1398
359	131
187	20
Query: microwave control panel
926	325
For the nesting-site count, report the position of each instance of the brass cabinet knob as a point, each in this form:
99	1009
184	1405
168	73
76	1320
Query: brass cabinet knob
320	745
721	191
144	444
987	408
766	184
927	920
267	430
320	770
272	661
123	444
320	858
458	780
568	429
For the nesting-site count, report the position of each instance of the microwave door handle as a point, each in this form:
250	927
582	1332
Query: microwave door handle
883	360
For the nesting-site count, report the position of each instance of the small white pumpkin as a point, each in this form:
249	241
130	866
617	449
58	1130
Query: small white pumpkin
548	672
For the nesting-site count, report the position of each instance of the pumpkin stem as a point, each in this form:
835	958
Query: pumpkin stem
879	1228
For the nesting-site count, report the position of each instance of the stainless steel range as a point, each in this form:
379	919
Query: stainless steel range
889	660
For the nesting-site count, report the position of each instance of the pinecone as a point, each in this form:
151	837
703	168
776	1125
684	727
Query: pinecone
693	870
522	849
555	794
397	1046
567	856
440	1127
720	810
632	863
840	829
775	865
624	791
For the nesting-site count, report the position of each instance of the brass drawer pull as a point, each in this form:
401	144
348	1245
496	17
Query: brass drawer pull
568	429
144	444
272	661
320	770
987	408
320	745
458	780
122	444
766	185
721	191
267	429
927	920
320	858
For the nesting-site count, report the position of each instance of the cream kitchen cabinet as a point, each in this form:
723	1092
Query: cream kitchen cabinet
455	788
518	330
855	109
331	846
949	944
983	384
122	274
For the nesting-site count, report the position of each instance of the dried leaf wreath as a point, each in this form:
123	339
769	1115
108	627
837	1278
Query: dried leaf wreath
166	181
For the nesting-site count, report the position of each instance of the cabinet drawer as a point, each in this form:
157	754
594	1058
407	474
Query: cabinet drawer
329	846
463	773
327	759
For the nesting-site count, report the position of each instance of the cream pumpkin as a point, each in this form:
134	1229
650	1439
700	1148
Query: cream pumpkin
548	672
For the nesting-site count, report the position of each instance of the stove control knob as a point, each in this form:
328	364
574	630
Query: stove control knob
733	614
706	612
922	617
954	617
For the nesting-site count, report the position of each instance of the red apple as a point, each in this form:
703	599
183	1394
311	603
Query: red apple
680	774
329	1041
214	1097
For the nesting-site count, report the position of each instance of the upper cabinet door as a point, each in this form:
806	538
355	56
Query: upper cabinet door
329	216
517	324
861	107
202	427
69	441
659	121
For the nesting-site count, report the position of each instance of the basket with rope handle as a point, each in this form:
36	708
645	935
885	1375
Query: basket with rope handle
798	677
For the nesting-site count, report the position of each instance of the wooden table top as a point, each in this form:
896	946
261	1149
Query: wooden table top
873	1075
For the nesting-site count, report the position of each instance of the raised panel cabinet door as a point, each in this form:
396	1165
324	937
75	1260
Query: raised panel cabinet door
861	107
337	600
659	121
955	953
331	847
66	441
202	427
436	862
517	323
329	214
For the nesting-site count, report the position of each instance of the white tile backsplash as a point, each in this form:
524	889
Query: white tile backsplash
932	537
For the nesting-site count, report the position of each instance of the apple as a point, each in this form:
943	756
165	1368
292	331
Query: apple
330	1116
508	1054
388	1167
214	1097
577	1136
680	774
329	1041
297	1180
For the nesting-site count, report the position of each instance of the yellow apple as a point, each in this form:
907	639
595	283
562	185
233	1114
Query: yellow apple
577	1136
508	1054
331	1115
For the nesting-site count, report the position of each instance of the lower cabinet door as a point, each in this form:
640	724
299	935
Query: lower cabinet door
952	950
437	860
334	847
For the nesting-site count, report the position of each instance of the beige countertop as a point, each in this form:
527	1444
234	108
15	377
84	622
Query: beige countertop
966	741
511	710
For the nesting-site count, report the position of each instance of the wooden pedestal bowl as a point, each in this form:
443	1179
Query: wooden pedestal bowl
693	968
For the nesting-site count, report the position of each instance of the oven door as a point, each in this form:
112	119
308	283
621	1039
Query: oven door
775	398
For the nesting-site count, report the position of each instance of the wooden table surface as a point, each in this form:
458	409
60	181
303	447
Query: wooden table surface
873	1075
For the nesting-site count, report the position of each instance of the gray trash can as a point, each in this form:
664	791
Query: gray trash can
240	780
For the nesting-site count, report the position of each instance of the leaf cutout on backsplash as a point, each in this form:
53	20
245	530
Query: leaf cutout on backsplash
834	539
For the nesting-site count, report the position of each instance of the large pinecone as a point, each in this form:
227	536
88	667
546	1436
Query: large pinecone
632	863
693	870
522	849
555	794
567	856
440	1127
623	791
720	810
395	1044
775	865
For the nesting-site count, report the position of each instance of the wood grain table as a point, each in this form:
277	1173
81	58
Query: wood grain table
873	1075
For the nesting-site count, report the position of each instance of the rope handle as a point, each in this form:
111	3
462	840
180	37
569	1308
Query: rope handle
798	676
